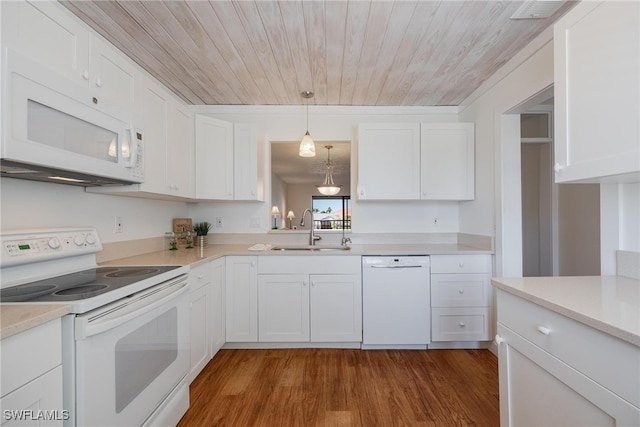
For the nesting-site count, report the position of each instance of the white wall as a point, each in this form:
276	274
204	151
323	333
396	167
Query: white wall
619	222
27	204
497	207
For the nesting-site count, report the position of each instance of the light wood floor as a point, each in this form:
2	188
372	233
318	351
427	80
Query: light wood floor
337	387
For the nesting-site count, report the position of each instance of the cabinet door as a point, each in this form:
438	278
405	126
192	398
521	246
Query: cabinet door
114	77
246	184
49	34
200	330
43	393
283	307
447	160
596	68
389	161
536	389
336	308
217	305
241	295
155	114
179	156
214	158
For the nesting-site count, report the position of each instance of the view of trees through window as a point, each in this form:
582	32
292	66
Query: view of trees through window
332	212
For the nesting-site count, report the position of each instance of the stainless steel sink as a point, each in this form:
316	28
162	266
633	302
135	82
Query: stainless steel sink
310	248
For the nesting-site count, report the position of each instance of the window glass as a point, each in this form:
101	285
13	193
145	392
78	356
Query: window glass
331	213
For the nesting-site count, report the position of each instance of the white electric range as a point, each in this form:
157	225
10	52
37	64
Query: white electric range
126	343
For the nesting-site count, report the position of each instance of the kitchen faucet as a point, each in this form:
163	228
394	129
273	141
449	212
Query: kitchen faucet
312	237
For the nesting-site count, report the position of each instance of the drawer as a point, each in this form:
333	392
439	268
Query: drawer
607	360
461	324
461	290
309	264
199	276
461	264
29	354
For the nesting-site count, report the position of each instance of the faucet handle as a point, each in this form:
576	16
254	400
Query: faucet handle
346	241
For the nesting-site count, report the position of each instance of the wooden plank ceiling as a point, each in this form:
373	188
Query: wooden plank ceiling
383	53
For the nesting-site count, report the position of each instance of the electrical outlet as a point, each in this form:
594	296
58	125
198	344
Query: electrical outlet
254	222
118	228
219	222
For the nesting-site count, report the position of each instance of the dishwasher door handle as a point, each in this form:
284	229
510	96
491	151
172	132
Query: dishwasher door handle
397	266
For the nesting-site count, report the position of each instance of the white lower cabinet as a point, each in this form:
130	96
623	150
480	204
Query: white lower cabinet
201	318
298	303
555	371
461	298
316	308
217	305
31	380
241	297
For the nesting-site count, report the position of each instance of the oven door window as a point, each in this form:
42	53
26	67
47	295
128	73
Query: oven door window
142	355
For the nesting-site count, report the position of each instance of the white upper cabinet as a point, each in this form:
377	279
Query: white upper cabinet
247	181
45	32
389	161
596	69
447	161
51	35
412	161
227	160
114	77
214	158
180	148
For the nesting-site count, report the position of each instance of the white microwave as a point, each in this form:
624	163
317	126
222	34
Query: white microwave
55	130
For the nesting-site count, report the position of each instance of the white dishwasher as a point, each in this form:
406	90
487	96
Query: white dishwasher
396	302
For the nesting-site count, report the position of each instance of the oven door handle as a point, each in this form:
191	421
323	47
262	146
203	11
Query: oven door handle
120	312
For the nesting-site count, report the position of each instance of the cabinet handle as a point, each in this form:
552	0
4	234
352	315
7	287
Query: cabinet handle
99	82
85	74
200	277
461	324
461	291
304	283
499	340
253	263
557	167
544	330
461	264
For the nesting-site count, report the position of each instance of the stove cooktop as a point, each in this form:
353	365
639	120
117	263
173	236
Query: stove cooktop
80	285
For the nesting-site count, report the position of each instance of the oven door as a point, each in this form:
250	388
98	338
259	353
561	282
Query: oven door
131	355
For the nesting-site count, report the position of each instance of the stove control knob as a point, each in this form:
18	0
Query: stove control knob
91	239
78	240
54	243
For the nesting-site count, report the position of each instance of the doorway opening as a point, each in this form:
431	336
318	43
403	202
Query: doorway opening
560	222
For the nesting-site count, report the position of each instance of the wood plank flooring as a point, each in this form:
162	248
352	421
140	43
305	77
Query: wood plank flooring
338	387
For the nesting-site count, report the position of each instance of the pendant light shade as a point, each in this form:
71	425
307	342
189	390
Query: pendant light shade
328	187
307	146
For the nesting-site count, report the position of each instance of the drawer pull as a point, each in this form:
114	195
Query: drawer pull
200	277
543	330
461	291
499	339
461	324
461	264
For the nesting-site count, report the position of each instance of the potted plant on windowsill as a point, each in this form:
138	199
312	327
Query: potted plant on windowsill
202	229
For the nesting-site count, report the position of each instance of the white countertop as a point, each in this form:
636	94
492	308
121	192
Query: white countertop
610	304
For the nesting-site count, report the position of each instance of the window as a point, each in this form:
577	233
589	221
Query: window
331	213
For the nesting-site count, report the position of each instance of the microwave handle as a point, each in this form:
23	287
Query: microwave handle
133	144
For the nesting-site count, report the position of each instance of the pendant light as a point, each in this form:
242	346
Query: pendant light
307	146
328	187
